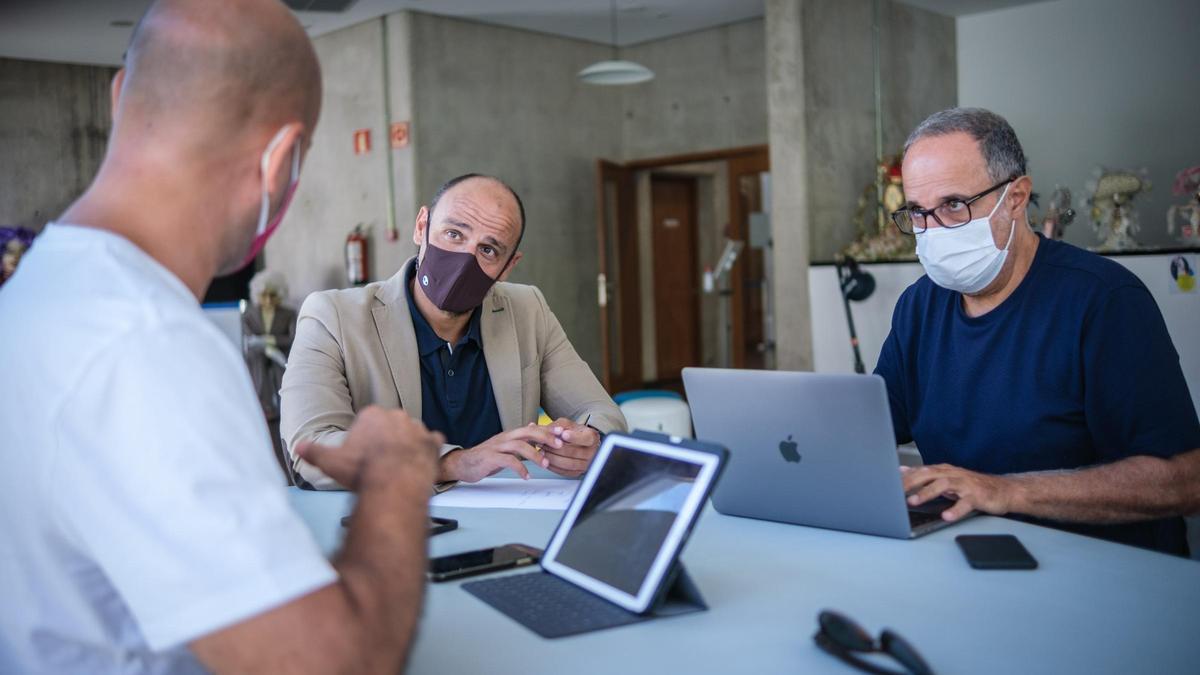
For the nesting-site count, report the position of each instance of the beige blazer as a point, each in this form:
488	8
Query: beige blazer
357	347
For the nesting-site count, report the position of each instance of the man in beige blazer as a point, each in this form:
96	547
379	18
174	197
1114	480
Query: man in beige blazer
471	356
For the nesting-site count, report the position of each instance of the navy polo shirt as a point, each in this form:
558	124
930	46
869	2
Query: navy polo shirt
456	388
1074	369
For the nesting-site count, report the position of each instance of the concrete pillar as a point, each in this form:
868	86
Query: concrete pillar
405	200
787	131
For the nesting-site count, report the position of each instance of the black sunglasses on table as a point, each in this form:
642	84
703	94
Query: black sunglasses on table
841	637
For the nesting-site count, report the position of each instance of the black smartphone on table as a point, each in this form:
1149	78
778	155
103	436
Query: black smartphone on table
436	525
995	552
471	563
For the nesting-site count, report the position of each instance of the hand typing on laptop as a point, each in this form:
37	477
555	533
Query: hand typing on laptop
971	491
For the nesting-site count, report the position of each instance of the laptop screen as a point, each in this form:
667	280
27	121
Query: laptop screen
628	520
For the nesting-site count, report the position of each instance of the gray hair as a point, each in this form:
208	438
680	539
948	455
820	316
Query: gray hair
997	140
268	279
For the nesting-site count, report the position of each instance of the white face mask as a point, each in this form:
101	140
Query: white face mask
266	227
964	258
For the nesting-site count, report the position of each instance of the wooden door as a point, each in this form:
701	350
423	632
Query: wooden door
617	279
676	277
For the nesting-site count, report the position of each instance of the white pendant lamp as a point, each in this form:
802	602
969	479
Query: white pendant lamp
615	71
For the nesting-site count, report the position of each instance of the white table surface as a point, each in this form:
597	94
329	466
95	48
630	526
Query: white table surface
1091	607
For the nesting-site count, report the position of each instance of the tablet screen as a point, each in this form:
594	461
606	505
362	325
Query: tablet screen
635	502
632	519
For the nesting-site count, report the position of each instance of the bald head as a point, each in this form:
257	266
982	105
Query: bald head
206	72
498	187
212	115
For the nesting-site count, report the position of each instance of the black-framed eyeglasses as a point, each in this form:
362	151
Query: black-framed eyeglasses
844	639
952	213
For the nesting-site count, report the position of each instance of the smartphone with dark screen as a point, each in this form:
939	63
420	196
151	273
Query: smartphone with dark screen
436	525
995	552
485	560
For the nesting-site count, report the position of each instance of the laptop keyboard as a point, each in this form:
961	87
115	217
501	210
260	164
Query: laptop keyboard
918	518
548	605
928	512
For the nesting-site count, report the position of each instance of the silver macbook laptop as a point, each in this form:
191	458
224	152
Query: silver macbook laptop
807	448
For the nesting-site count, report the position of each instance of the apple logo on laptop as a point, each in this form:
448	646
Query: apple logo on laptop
789	450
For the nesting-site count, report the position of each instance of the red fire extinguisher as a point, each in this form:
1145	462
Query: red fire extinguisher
357	271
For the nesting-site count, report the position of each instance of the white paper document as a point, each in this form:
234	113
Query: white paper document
510	493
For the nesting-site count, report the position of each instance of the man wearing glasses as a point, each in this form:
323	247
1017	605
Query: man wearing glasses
1035	378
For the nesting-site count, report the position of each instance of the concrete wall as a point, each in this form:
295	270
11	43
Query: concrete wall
917	65
507	102
839	102
1092	82
709	93
820	83
337	187
54	124
919	62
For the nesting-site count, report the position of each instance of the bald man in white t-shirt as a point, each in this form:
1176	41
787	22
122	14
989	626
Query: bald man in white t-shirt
144	525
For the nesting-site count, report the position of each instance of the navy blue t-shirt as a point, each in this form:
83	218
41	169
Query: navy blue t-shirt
1074	369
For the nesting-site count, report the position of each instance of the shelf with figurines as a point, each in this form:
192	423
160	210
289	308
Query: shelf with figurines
1107	205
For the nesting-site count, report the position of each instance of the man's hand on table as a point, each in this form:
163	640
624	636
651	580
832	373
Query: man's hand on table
578	446
380	443
972	491
507	450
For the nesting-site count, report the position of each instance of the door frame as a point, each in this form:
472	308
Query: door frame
739	160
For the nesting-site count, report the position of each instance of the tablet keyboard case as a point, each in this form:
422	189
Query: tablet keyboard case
553	608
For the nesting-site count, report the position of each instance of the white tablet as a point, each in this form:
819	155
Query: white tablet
630	517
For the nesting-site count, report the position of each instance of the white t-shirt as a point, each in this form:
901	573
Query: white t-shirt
141	506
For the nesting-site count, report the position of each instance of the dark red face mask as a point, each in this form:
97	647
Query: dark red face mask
453	280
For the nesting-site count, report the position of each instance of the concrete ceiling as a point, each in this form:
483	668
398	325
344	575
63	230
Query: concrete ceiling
83	31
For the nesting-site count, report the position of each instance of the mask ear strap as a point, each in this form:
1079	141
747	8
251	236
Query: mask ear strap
264	166
1003	194
1012	230
296	161
1011	233
513	254
506	264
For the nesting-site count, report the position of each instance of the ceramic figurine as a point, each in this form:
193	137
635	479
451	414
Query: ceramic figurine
1058	214
877	238
1109	205
1186	215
